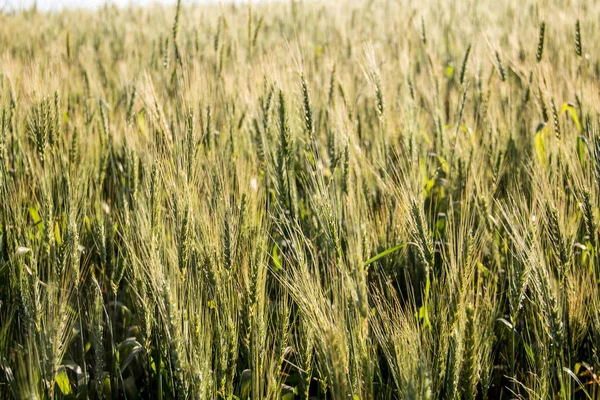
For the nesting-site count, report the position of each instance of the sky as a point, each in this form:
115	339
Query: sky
59	4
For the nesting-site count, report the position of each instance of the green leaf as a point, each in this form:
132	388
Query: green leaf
483	269
127	343
22	251
131	347
570	108
130	357
81	377
581	144
540	146
528	348
508	324
542	126
318	51
141	123
287	392
57	237
444	164
429	185
37	220
62	380
131	388
529	351
449	71
576	379
424	316
275	255
440	225
466	129
245	382
424	309
384	253
106	387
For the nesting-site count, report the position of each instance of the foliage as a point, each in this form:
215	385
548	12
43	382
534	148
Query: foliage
356	199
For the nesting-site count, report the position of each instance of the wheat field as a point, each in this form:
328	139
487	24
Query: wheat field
369	199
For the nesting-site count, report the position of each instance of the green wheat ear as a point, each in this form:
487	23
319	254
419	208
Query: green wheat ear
578	50
540	48
129	114
555	236
54	129
555	119
40	127
190	129
176	31
588	217
284	129
3	129
257	30
68	45
379	96
331	95
543	105
74	148
500	67
308	114
227	259
463	68
469	369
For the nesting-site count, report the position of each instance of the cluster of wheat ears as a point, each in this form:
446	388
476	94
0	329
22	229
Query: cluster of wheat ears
380	199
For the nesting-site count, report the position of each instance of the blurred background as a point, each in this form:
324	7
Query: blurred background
55	5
